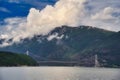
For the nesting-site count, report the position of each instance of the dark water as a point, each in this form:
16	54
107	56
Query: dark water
58	73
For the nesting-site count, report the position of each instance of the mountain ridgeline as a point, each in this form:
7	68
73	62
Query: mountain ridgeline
77	45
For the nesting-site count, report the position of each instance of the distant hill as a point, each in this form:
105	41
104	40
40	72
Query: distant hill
79	44
12	59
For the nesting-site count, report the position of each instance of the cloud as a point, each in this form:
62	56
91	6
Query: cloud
106	14
57	15
107	19
65	12
4	9
14	1
55	36
13	29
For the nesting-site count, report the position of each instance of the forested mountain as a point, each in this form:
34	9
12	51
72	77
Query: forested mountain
79	44
13	59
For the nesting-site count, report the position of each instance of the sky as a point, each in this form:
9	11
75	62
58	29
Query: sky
20	19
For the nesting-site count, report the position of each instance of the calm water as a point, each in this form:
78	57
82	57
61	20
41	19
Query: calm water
58	73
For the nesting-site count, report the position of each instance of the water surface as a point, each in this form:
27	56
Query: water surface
58	73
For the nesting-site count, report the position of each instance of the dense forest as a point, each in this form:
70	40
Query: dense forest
13	59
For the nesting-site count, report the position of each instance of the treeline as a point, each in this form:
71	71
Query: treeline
13	59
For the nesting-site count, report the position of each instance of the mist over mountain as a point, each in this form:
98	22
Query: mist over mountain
36	21
36	28
79	44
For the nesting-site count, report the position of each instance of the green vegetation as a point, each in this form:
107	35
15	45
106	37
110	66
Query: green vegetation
79	44
12	59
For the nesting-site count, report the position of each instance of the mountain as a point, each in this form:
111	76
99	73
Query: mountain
73	44
13	59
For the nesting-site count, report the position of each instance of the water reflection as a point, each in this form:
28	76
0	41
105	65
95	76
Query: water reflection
58	73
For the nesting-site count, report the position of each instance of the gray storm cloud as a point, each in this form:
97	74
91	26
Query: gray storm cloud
64	12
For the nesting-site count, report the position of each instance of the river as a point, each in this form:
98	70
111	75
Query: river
58	73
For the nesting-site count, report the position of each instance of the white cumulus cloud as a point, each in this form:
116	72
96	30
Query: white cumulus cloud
106	14
65	12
